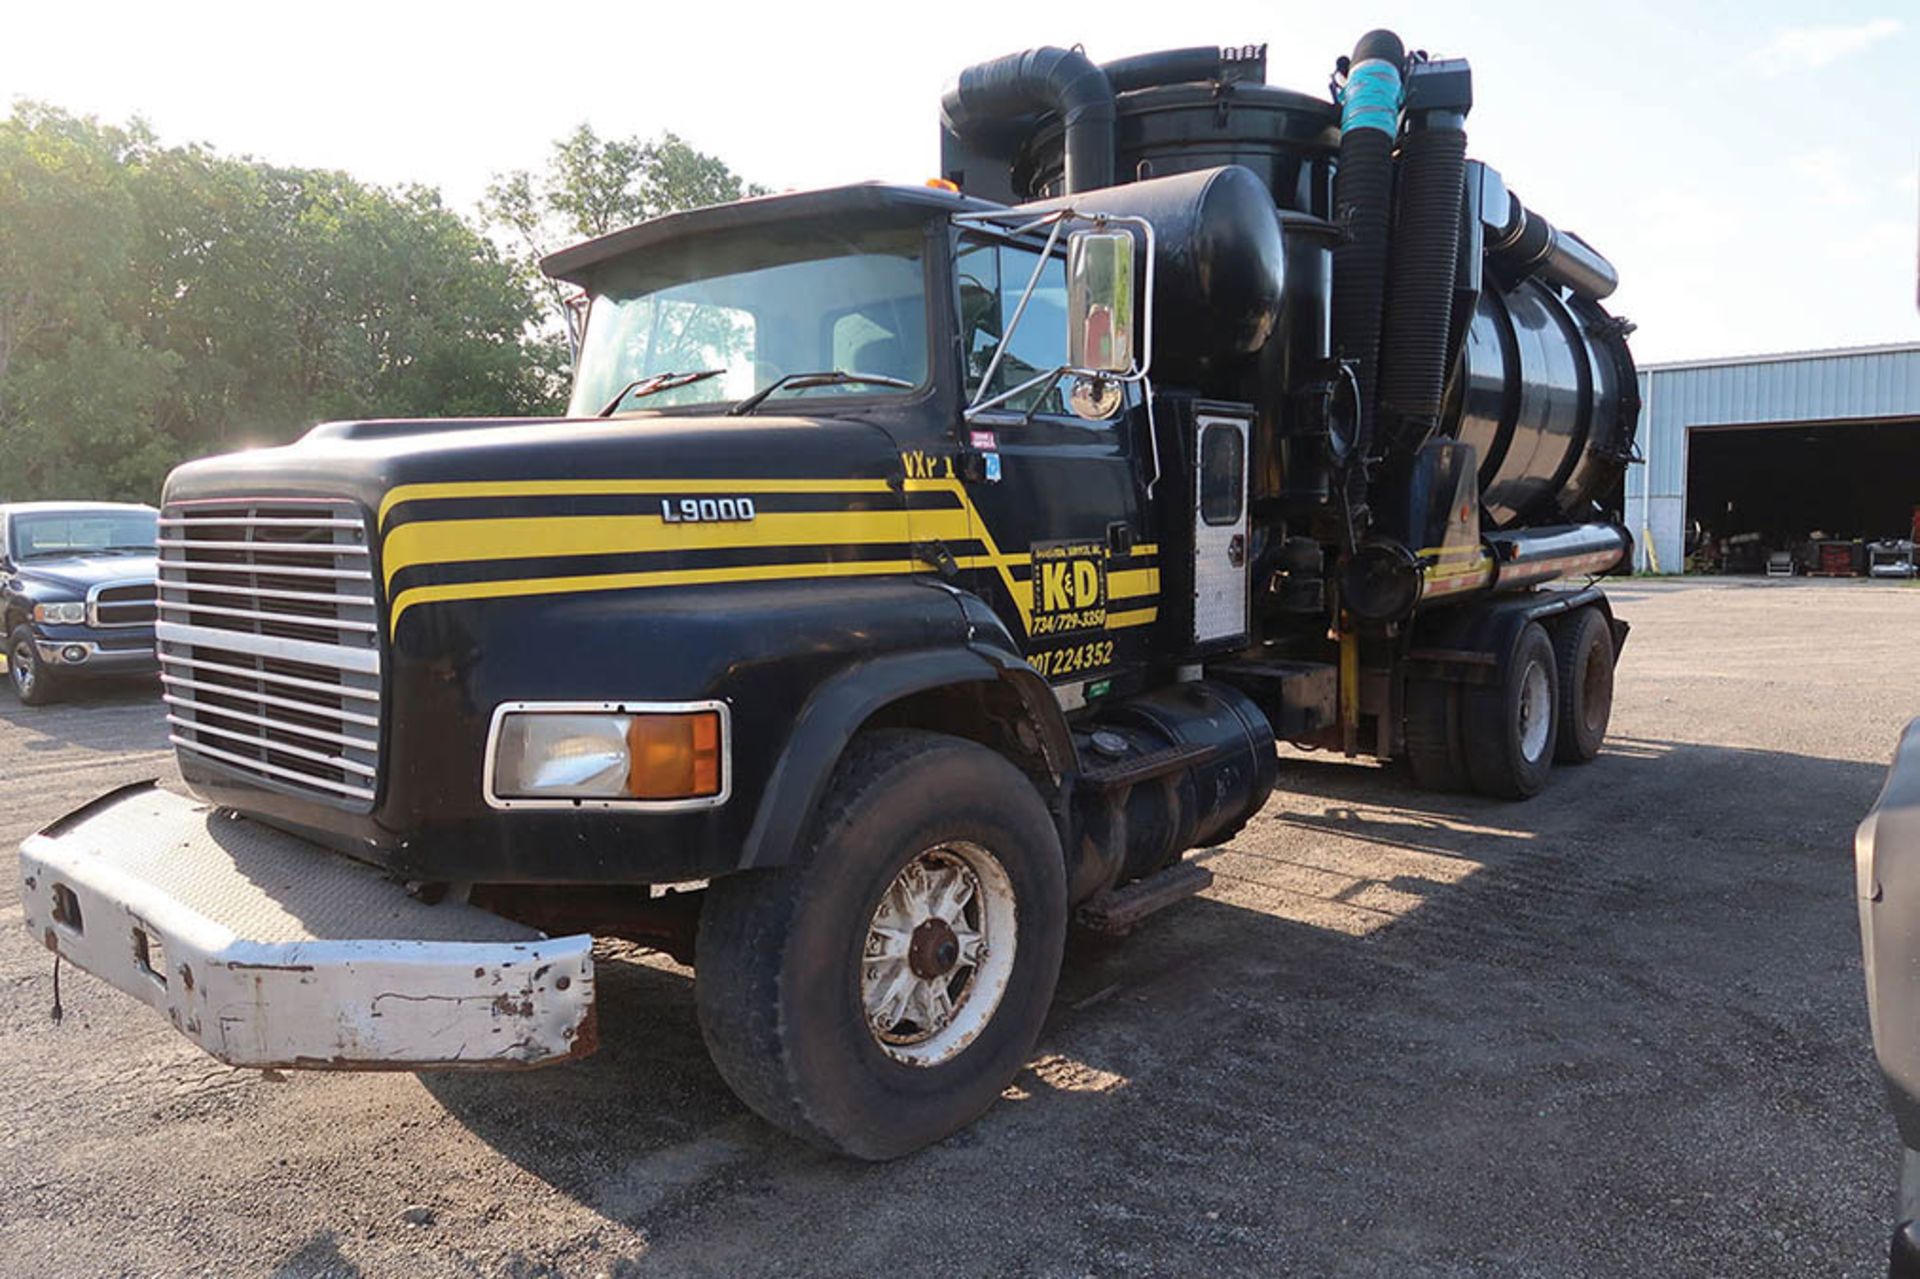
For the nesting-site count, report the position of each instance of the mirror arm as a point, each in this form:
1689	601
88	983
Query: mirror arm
1139	373
1013	325
1044	380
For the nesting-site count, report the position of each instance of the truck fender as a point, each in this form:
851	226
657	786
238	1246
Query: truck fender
988	635
827	723
1489	627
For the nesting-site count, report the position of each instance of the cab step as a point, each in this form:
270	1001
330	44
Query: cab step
1118	911
1135	769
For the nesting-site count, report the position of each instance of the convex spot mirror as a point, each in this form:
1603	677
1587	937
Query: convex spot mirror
1100	301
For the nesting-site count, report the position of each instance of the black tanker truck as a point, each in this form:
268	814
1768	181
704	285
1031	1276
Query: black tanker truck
917	572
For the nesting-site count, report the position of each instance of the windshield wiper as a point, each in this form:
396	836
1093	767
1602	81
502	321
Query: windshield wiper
802	381
656	382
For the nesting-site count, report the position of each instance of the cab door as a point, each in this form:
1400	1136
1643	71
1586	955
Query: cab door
1071	562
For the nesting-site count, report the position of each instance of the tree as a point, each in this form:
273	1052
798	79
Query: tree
158	303
592	185
78	380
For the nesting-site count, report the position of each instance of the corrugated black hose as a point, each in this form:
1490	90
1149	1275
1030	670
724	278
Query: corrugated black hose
1416	331
1363	208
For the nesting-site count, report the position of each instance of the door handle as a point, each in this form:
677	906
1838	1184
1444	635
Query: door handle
1237	550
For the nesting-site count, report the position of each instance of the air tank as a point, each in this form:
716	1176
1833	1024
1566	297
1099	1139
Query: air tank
1220	265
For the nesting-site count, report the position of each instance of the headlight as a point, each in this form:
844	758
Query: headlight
60	614
568	754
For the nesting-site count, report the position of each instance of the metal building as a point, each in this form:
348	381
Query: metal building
1781	445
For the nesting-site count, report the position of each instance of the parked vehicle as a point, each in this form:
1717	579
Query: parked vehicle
1887	857
917	570
78	581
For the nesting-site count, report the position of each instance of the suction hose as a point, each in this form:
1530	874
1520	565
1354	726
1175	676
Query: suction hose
1363	207
1416	334
1046	79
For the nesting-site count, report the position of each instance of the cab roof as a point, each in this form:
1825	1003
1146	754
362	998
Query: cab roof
576	265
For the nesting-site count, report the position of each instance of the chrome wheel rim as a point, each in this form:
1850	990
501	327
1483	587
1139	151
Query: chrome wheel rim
938	954
20	665
1536	711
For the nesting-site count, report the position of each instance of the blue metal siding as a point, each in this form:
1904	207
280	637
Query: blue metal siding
1875	383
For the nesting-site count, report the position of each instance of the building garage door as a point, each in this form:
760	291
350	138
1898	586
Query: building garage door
1756	490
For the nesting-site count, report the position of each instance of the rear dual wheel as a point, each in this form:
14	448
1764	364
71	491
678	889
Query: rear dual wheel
1511	723
1550	701
1583	652
1436	748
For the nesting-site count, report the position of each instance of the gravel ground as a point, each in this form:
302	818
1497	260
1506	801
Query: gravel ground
1618	1030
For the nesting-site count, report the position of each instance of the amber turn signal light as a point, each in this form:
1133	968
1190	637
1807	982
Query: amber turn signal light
674	755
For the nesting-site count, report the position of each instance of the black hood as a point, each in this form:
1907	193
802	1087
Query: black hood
366	461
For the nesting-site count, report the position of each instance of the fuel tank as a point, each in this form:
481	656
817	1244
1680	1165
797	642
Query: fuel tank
1182	767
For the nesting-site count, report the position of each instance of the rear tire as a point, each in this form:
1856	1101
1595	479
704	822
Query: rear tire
1583	652
1510	724
1435	751
879	993
32	680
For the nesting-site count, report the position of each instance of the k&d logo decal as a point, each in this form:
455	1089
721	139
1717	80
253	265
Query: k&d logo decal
1069	587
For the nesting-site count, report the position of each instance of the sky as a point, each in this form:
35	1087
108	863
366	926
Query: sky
1753	169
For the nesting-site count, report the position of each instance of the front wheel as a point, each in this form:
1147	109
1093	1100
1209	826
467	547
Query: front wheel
33	682
881	992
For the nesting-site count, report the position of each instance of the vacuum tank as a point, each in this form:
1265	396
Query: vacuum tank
1387	294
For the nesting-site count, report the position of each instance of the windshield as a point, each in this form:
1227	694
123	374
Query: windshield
83	532
760	307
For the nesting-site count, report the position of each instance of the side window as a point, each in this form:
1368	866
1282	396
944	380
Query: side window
1222	460
992	277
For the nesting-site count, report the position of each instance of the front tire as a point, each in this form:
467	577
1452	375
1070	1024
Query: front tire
33	683
1511	723
878	994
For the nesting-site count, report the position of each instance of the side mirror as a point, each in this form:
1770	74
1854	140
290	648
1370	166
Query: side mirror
1100	301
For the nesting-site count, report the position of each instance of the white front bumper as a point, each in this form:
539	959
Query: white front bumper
267	950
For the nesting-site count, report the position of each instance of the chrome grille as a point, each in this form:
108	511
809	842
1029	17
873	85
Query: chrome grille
269	640
128	603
